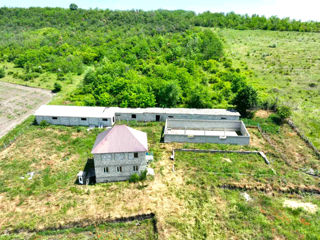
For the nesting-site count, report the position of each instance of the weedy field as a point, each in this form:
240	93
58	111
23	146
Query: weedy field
197	196
135	230
43	80
285	67
17	103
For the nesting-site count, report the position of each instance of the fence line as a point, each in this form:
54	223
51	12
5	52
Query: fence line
304	138
8	143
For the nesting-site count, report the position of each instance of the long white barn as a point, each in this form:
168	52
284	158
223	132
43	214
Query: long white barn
104	116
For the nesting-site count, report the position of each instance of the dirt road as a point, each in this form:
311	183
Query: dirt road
17	103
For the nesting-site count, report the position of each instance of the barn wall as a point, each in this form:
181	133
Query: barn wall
151	117
75	121
113	160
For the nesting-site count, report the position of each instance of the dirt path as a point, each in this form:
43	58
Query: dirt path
17	103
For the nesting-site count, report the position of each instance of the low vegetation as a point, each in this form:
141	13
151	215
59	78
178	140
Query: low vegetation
135	230
285	68
190	202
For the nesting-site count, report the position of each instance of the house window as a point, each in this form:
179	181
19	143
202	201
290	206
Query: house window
223	118
133	116
106	169
135	168
135	155
157	118
113	119
54	118
170	116
119	169
105	119
83	119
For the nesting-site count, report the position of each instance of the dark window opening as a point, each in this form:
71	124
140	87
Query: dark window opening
133	116
170	116
157	118
135	155
119	169
54	118
105	119
113	119
83	119
223	118
135	168
106	169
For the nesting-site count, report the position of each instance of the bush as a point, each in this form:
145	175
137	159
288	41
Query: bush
56	87
43	124
143	175
284	112
2	72
245	99
134	178
73	7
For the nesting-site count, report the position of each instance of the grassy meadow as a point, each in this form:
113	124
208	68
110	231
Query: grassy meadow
185	195
286	69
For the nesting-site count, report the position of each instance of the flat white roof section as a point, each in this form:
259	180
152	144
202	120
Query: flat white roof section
207	111
74	111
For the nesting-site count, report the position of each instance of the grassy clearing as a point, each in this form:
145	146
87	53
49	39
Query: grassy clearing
44	80
135	230
285	67
187	202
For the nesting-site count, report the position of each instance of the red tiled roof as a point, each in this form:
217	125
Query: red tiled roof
120	138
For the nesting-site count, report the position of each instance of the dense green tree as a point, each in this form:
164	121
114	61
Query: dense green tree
73	6
245	99
2	72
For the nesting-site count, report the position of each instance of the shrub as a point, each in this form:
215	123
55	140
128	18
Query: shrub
2	72
43	123
245	99
143	175
56	87
134	178
73	7
284	112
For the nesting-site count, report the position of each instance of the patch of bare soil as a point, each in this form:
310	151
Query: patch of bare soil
17	103
262	113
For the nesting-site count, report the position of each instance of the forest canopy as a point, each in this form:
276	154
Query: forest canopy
135	58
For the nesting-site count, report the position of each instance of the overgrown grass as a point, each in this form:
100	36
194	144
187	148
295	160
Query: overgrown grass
45	80
135	230
187	202
285	69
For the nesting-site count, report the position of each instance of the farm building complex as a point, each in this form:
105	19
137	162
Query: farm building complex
206	131
102	116
118	153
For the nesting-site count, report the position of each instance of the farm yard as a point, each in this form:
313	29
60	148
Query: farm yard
196	196
17	103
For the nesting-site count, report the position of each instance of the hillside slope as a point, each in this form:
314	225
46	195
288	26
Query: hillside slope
286	67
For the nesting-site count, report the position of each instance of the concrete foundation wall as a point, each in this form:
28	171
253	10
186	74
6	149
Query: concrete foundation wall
113	160
75	121
206	125
240	140
171	133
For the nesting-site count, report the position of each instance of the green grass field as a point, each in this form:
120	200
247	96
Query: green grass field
188	202
285	67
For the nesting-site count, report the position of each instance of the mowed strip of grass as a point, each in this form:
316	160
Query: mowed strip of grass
135	230
285	67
